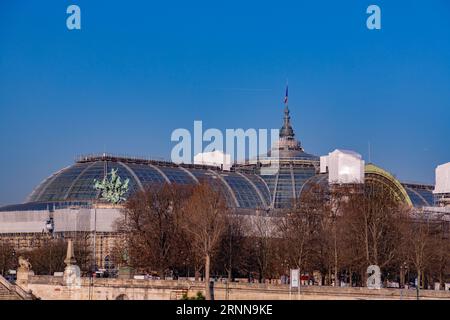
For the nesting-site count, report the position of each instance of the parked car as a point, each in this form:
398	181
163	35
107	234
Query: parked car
10	277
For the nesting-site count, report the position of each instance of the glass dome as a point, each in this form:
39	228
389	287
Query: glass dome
75	184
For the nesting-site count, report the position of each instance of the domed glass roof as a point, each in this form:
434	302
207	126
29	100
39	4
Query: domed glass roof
76	183
413	194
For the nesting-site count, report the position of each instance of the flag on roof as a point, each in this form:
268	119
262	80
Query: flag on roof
286	96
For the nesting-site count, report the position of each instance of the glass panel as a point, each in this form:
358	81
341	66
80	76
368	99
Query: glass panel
259	183
243	190
415	199
34	196
270	180
58	187
427	195
84	187
301	175
177	175
146	174
420	196
284	193
217	183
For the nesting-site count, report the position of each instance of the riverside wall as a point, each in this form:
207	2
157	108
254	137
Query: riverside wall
53	288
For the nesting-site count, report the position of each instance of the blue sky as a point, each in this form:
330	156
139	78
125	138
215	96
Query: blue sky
137	70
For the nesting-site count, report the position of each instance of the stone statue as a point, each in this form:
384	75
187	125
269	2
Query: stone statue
374	277
24	272
125	270
72	276
24	264
125	257
113	189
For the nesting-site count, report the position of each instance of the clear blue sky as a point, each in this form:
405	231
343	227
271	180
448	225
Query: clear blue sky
139	69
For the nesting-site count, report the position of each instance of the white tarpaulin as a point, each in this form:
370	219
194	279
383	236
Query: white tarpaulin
442	178
214	158
343	166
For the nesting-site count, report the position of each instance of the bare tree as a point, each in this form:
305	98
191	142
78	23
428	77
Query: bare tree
263	236
426	245
204	222
82	242
48	257
439	266
233	248
303	230
372	217
7	257
119	247
151	223
189	256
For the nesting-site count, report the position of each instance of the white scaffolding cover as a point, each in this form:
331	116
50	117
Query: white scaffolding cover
344	166
442	178
214	158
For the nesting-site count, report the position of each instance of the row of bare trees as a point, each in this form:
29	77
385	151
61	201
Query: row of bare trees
171	226
48	256
342	230
336	232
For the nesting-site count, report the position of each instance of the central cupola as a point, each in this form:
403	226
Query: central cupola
287	139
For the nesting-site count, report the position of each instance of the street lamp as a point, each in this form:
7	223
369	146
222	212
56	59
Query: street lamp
406	274
13	254
13	257
403	269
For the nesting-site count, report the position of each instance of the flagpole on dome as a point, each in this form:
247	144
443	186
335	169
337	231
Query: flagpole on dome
286	96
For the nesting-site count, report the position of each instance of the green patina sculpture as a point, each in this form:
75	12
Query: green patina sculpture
113	189
125	256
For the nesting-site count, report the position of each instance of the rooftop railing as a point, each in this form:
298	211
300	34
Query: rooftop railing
141	160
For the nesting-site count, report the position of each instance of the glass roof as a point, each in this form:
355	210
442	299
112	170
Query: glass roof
287	183
177	175
419	196
76	183
146	174
262	187
245	193
218	184
301	175
57	184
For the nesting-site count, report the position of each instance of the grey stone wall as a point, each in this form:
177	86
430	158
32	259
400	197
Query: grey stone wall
65	220
52	288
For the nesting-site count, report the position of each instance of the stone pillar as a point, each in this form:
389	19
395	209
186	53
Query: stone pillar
72	274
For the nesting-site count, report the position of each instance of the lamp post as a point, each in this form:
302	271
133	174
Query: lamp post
406	274
402	277
417	286
94	268
13	254
95	237
403	268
